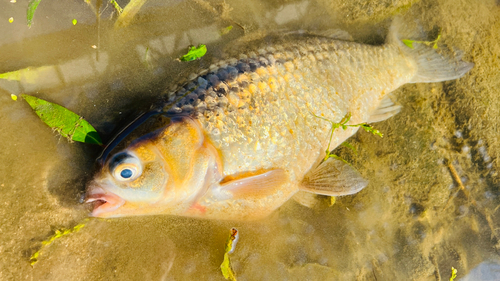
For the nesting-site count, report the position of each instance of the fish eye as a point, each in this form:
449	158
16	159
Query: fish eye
126	173
125	167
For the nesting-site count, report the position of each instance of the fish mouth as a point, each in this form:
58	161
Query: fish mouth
103	201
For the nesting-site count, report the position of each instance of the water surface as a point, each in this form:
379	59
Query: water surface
412	222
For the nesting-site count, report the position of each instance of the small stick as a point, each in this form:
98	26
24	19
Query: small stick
456	178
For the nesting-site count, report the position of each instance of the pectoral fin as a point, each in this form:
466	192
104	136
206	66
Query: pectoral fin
257	185
333	177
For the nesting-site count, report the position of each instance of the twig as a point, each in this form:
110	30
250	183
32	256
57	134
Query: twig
456	178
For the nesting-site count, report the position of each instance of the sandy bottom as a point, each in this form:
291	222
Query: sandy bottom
434	187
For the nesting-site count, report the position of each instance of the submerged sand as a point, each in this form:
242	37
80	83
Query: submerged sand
412	222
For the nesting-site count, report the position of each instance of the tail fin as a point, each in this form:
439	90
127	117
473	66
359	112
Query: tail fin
432	67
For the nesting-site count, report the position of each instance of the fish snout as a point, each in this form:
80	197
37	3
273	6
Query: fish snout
103	201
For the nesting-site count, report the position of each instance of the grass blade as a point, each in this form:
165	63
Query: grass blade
31	11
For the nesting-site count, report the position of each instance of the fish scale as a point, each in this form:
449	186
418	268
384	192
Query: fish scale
313	75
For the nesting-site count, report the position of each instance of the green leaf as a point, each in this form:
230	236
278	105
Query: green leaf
225	267
13	75
194	53
31	11
408	43
29	75
74	21
65	122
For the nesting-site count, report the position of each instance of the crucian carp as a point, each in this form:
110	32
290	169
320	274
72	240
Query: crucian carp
243	137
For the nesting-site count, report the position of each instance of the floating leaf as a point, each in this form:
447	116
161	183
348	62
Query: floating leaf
65	122
31	11
12	96
74	21
225	267
128	13
194	53
11	20
13	75
29	75
58	234
408	43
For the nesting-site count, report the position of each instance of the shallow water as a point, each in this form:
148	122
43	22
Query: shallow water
412	222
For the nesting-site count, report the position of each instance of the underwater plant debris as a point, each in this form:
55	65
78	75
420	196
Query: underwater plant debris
58	234
225	267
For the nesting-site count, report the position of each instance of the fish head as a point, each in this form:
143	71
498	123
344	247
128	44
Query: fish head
133	177
162	172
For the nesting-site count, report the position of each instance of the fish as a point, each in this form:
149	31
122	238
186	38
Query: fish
244	135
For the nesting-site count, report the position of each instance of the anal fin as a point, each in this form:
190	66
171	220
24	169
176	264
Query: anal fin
333	177
384	111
